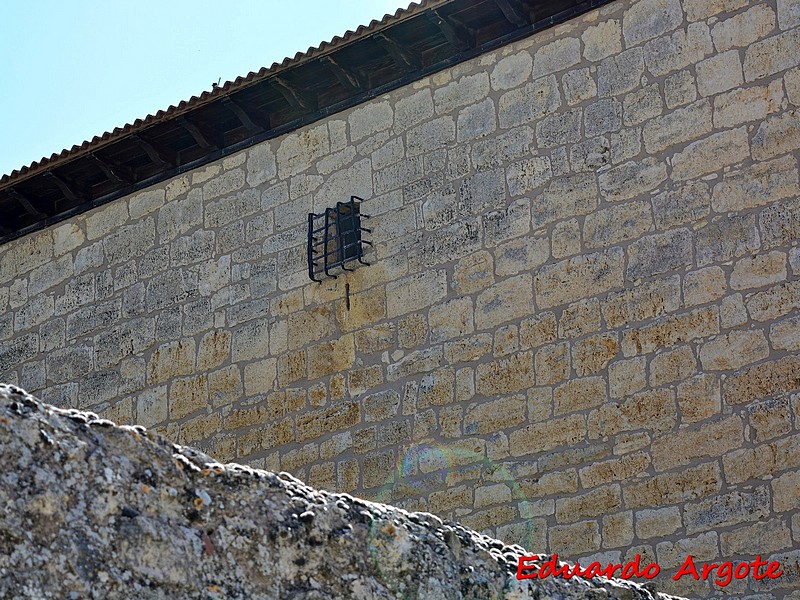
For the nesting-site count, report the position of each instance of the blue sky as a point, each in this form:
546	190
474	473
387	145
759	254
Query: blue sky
73	69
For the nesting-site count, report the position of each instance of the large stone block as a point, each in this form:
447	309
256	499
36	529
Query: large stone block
564	198
674	487
670	330
171	360
727	509
556	56
505	301
711	154
415	292
579	277
648	19
660	253
681	49
678	126
617	224
648	300
505	376
743	29
331	357
725	238
511	71
759	271
530	102
579	394
632	179
602	40
620	73
772	55
770	378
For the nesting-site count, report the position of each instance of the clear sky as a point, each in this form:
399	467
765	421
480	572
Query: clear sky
73	69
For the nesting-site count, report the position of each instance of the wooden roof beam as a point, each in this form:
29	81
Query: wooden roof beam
297	100
158	155
247	117
116	173
460	37
515	12
349	78
199	137
65	187
26	203
401	55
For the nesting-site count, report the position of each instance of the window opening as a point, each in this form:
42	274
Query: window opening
335	239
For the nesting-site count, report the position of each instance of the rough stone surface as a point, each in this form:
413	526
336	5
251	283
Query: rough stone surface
95	510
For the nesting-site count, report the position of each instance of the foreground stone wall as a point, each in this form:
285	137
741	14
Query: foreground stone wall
92	510
580	328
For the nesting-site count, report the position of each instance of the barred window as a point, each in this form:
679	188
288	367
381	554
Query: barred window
335	239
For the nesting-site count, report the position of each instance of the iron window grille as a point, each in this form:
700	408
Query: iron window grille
334	239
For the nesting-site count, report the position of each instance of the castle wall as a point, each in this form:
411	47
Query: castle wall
579	330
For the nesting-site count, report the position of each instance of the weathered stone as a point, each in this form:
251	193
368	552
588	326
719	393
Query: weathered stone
727	509
678	126
772	55
777	135
616	224
680	89
527	175
704	285
564	198
501	149
465	91
719	73
552	364
451	319
726	238
578	538
785	334
592	354
648	19
575	278
620	73
505	301
710	154
520	255
653	410
762	183
602	40
558	129
579	85
632	179
511	71
331	357
741	30
681	49
673	487
415	292
530	102
765	379
556	56
420	361
670	330
626	377
601	117
699	398
579	394
659	253
473	273
759	271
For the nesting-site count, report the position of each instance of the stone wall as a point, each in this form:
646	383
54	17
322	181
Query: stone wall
579	330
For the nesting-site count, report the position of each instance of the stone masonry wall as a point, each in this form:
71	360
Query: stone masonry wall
580	328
